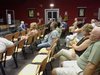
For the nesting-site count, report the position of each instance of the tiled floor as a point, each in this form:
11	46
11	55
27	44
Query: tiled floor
10	66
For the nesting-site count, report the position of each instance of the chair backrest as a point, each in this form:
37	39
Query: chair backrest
21	43
42	33
9	36
43	65
53	49
35	37
39	34
29	40
23	33
54	41
16	34
10	50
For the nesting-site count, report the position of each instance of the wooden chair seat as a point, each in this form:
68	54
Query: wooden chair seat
43	50
39	59
30	69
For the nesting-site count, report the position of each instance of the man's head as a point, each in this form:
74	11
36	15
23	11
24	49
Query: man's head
93	20
53	25
75	19
22	22
95	34
33	25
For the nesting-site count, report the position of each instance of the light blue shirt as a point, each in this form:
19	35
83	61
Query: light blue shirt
53	34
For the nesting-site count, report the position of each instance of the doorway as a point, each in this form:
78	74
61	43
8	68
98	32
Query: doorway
51	14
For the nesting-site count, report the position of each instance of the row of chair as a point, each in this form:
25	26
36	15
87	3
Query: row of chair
20	45
38	64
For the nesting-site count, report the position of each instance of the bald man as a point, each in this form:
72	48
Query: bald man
88	63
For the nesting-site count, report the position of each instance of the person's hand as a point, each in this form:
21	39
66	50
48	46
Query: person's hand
73	53
48	48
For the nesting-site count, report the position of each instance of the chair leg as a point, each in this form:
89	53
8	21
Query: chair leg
2	69
15	60
51	65
24	54
5	59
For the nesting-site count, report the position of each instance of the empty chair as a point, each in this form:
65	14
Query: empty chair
30	69
16	36
9	52
19	47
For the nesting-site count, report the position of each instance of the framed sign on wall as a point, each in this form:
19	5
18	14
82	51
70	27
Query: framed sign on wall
31	13
81	12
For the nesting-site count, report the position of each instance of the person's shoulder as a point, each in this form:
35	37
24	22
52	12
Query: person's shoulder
97	43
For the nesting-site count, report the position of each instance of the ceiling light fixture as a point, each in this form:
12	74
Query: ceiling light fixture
51	5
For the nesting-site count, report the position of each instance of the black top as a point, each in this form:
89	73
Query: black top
80	42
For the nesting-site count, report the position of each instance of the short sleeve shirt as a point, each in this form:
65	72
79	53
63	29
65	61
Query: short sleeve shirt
92	54
53	34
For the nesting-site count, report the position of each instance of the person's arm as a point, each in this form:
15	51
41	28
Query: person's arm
89	69
77	30
82	46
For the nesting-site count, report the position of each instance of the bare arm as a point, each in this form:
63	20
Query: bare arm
89	69
82	46
77	30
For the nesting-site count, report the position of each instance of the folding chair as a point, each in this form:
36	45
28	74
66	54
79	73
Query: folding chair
19	48
9	52
16	36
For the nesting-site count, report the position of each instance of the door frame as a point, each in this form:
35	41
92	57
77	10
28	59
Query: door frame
51	10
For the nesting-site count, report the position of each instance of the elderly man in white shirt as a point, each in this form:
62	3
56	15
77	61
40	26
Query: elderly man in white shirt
4	43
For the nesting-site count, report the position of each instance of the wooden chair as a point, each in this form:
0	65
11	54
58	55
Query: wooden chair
9	52
23	33
28	43
42	33
43	67
42	61
49	51
19	47
39	34
30	69
9	36
16	36
35	37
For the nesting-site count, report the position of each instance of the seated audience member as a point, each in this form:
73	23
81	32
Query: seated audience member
59	29
77	48
52	35
4	43
22	26
47	26
88	63
64	26
93	22
33	30
74	25
77	35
